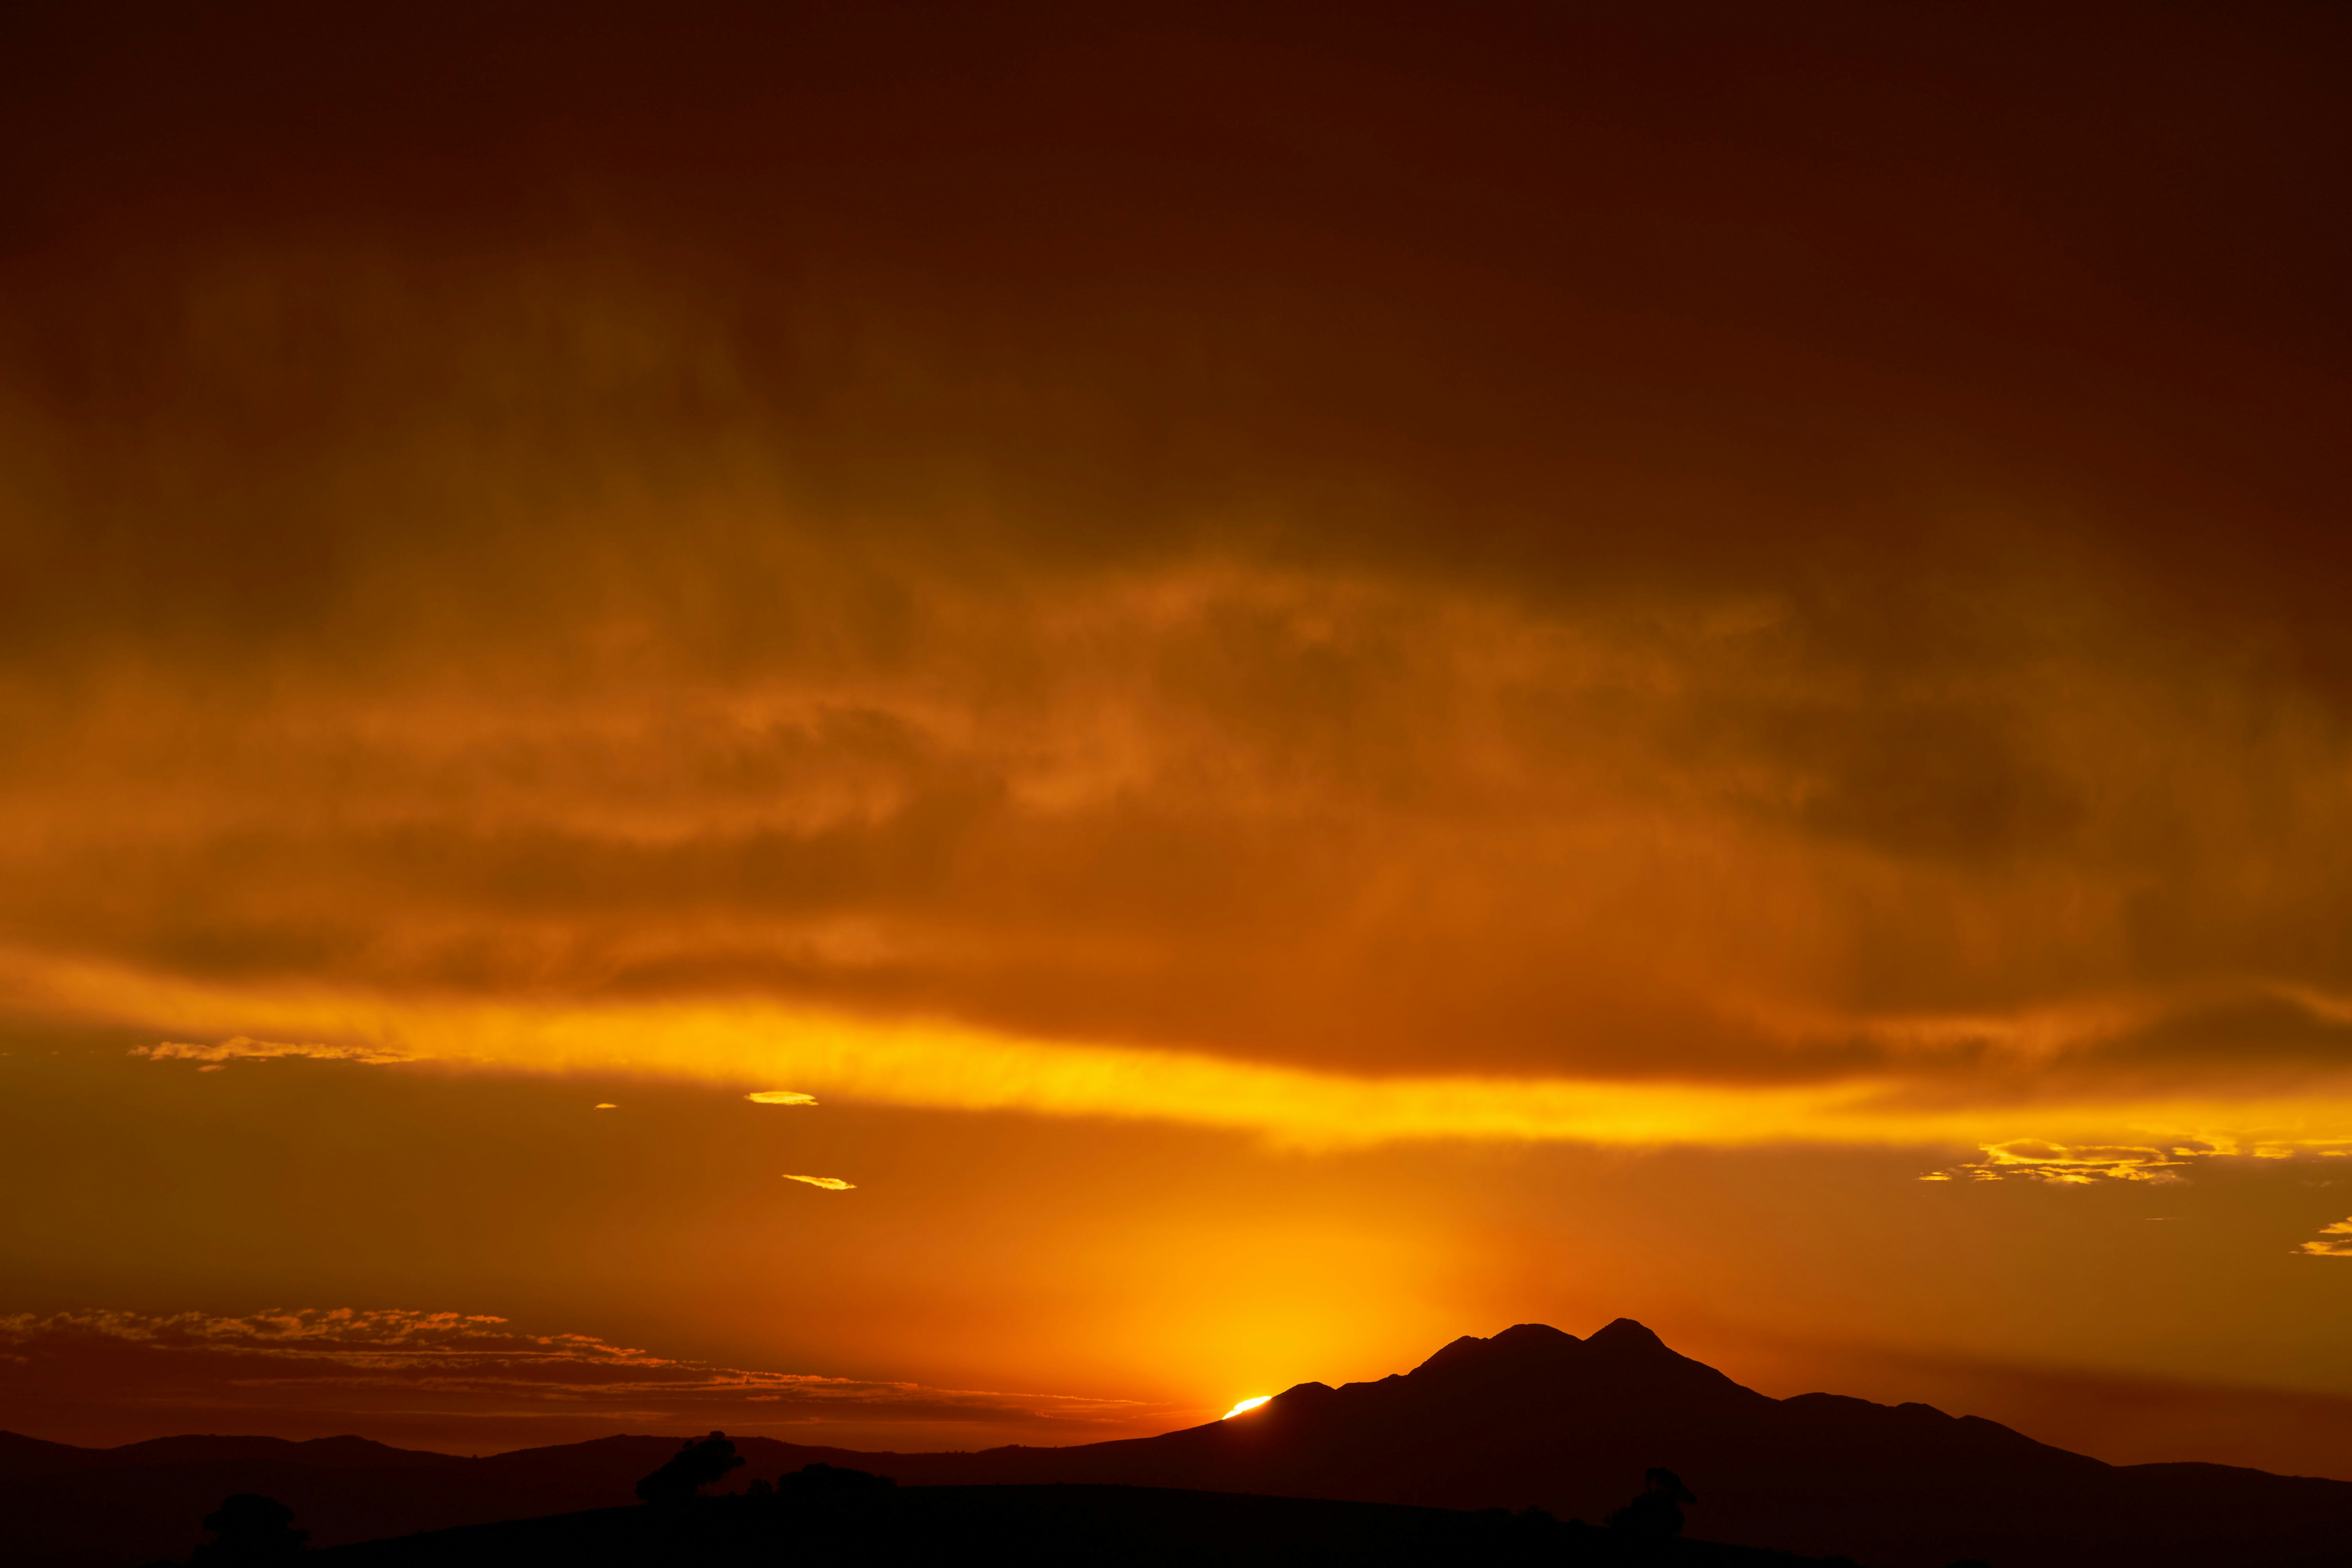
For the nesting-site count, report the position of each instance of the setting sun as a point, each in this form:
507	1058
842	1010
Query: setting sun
1246	1406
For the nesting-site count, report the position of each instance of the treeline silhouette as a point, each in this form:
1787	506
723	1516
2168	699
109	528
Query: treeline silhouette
248	1529
1656	1512
825	1513
698	1462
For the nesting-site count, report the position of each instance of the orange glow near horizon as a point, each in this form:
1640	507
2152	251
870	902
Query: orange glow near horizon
1243	1406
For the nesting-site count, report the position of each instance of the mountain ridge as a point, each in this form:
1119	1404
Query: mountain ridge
1531	1417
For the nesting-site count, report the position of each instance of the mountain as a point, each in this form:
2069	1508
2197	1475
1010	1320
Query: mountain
1531	1417
1534	1416
30	1457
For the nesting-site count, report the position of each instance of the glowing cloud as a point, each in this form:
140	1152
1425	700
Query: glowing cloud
2038	1160
605	1105
2334	1241
2059	1164
781	1097
830	1184
939	1064
242	1049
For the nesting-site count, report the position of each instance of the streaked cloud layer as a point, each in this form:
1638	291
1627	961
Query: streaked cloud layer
2004	821
243	1049
1280	651
2057	1086
318	1366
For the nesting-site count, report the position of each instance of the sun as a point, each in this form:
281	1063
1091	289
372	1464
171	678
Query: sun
1245	1406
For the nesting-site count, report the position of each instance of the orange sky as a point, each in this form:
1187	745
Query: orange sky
1330	678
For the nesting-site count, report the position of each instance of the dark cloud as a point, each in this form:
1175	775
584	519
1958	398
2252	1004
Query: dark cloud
1345	546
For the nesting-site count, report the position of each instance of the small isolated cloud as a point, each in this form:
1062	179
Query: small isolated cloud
781	1097
2076	1165
2059	1164
2333	1241
606	1105
830	1184
243	1049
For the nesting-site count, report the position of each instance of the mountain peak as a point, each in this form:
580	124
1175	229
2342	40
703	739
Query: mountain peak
1533	1334
1518	1341
1459	1350
1625	1334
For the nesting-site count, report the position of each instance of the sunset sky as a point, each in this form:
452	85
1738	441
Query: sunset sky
1275	683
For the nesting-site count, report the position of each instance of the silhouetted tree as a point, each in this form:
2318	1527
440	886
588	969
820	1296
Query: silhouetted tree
1657	1513
249	1527
698	1462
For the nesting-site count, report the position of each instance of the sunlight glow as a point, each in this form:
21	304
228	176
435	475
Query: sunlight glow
932	1064
1245	1406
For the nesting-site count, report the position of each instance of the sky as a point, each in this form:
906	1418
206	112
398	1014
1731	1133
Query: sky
923	726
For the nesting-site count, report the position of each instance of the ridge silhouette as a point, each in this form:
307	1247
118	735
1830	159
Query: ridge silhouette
1532	1417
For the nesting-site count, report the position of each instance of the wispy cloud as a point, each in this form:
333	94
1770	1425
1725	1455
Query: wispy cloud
2059	1164
830	1184
243	1049
2333	1241
454	1362
781	1097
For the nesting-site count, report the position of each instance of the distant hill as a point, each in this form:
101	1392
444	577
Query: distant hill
30	1455
1532	1417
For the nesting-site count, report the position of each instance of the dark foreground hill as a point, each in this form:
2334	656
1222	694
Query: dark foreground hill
1037	1527
1530	1417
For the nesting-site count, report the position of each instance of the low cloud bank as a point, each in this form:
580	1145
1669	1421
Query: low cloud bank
119	1375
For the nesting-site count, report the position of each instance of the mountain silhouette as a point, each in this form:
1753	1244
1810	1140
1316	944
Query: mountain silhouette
1532	1417
1538	1416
